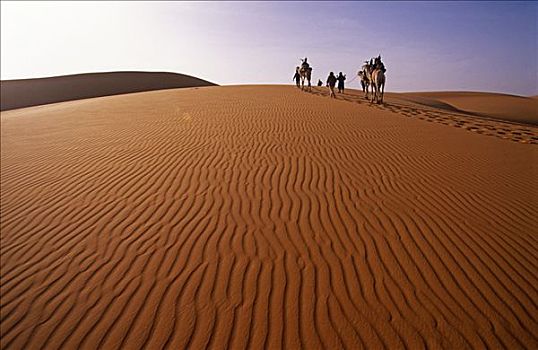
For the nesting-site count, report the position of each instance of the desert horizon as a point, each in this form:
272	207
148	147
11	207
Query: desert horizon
21	93
359	188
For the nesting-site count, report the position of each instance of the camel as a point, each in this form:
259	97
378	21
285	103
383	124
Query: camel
375	77
367	70
378	85
364	82
306	74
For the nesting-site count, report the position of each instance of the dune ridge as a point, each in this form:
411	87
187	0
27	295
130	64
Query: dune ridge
263	217
20	93
513	126
518	109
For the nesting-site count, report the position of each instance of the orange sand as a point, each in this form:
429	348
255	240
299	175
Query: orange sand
265	217
517	109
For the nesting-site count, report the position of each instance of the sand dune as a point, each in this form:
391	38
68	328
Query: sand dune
513	108
33	92
265	217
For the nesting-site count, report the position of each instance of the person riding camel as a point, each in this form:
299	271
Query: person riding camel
379	64
305	64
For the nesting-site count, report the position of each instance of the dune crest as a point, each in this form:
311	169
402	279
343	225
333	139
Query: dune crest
34	92
513	108
263	217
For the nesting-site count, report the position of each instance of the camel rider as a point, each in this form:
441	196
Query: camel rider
382	67
379	64
305	64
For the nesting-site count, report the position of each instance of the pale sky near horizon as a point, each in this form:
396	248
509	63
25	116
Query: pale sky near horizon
426	46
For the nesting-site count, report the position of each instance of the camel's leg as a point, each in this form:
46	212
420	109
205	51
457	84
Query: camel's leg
382	91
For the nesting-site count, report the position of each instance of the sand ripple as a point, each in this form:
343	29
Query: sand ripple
262	217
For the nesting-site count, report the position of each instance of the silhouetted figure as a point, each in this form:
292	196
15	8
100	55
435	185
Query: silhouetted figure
305	64
331	82
297	77
379	65
320	83
341	78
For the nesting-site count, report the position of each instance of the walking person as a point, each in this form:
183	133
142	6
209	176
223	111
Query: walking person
297	77
331	82
341	78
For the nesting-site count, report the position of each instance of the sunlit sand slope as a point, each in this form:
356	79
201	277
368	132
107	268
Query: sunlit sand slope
512	108
263	217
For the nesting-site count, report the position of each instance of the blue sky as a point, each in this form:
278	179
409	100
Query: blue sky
426	46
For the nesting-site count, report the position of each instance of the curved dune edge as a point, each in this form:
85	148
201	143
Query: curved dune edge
261	216
517	109
424	107
23	93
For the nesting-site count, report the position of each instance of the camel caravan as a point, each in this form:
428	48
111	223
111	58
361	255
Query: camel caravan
371	75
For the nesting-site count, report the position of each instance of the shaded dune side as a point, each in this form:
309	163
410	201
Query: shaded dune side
22	93
262	217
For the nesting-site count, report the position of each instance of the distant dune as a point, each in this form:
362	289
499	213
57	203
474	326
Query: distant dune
512	108
263	217
33	92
